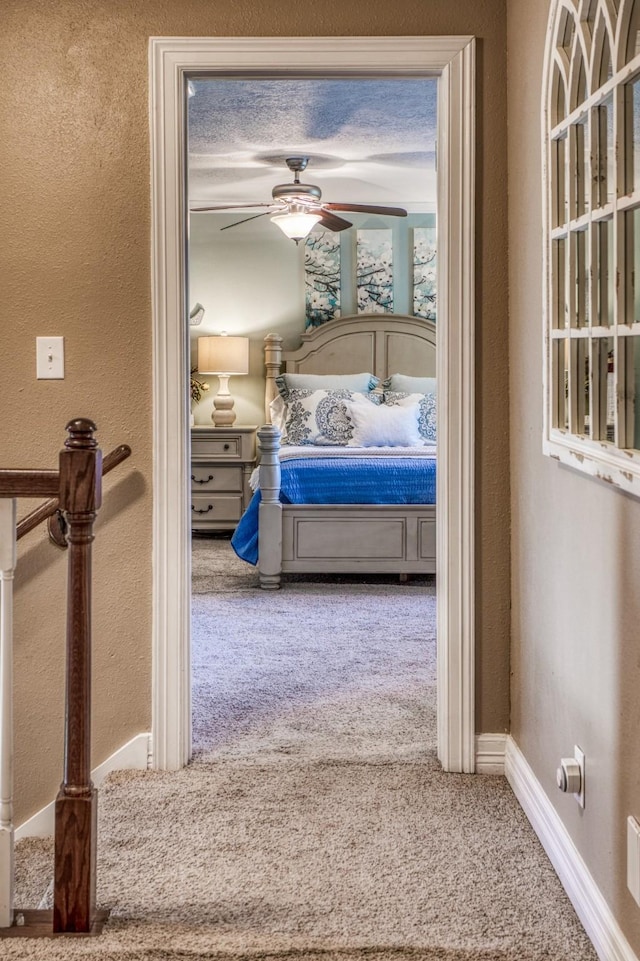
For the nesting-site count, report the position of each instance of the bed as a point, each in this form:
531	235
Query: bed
348	536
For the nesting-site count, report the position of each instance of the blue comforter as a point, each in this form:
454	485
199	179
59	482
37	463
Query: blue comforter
340	480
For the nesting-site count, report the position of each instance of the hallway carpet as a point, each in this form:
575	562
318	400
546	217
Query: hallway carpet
314	823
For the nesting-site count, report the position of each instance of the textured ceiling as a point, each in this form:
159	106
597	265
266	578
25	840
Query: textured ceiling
369	141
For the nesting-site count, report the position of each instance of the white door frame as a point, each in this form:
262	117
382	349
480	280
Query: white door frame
172	62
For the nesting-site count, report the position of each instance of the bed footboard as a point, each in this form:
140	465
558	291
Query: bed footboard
336	538
359	538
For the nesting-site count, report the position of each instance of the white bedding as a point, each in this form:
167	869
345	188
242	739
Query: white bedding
290	452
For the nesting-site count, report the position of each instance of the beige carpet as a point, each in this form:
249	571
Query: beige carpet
315	823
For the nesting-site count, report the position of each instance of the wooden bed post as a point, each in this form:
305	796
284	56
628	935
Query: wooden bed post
270	510
76	804
272	363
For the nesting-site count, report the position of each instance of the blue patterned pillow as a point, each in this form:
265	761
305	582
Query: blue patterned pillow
317	417
426	411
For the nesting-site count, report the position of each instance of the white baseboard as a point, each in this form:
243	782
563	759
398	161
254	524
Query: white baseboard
490	751
134	755
590	906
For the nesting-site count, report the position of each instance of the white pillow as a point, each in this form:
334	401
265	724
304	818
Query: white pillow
383	426
426	411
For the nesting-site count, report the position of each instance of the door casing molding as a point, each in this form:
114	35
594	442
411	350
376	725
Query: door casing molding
172	60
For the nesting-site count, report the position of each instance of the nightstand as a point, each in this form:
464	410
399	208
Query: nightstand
222	459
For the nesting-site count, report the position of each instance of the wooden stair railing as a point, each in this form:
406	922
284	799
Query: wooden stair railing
74	489
50	509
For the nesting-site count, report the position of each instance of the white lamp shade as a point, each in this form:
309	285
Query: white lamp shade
223	355
296	225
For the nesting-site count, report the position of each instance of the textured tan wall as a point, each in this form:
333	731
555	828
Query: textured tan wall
575	548
75	261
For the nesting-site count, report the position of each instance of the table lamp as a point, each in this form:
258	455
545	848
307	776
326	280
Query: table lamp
225	357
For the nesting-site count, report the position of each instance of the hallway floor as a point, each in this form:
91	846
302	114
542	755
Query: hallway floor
314	822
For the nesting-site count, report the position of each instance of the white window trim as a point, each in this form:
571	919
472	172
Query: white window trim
618	467
172	60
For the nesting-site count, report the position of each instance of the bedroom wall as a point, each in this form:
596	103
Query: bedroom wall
251	281
575	548
75	261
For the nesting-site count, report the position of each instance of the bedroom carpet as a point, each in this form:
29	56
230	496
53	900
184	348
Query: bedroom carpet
314	823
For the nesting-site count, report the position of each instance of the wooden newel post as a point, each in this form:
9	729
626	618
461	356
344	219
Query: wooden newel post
76	804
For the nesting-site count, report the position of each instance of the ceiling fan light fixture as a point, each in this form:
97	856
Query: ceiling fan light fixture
296	225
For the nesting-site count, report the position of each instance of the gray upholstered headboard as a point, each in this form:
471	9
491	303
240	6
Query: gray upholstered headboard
382	344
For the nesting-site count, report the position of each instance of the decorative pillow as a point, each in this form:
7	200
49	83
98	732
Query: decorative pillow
319	417
410	385
392	425
360	383
426	411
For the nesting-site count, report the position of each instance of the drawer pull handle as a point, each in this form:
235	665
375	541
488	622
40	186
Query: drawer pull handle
227	446
197	481
203	510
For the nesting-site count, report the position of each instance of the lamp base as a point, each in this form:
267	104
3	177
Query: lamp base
223	414
223	417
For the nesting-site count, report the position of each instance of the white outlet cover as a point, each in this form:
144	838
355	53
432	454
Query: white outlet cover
50	358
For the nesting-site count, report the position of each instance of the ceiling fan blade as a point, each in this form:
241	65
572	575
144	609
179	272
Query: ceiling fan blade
331	222
246	220
368	209
197	210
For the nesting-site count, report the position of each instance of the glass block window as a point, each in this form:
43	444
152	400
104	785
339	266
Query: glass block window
591	111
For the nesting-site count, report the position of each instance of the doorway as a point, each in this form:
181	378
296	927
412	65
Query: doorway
264	670
173	61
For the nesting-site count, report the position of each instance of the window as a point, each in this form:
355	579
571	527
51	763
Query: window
591	113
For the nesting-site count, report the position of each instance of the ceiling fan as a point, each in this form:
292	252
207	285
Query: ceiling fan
296	207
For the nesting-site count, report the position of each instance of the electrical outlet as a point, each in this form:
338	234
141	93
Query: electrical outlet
579	756
570	775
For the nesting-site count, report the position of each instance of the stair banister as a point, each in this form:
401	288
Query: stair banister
76	803
50	507
75	491
7	568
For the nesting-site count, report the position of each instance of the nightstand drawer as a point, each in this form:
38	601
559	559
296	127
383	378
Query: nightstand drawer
222	459
214	478
205	447
222	507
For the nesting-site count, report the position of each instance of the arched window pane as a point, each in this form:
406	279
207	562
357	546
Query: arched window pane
559	98
579	83
566	32
633	38
606	66
632	100
558	174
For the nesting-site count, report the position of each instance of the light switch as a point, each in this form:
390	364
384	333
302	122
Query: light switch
50	358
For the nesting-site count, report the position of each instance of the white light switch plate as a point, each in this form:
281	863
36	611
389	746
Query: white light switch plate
50	358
